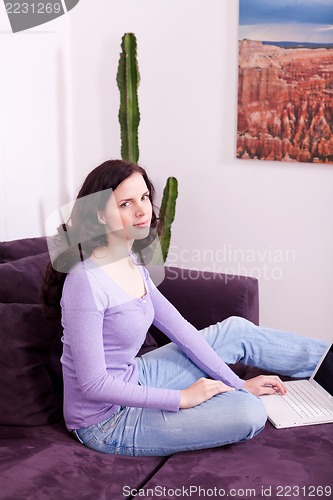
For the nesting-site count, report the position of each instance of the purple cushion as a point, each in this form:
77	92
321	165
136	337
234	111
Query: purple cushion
46	463
219	295
21	280
17	249
204	298
27	392
276	459
30	381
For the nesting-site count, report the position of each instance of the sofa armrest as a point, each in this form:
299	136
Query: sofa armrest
204	298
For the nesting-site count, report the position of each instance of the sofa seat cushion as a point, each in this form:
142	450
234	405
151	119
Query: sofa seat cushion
47	463
275	460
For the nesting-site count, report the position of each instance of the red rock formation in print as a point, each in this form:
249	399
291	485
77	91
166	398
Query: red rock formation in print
285	103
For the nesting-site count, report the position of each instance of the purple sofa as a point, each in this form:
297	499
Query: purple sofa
40	459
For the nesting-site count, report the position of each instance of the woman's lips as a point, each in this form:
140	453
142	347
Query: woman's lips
142	224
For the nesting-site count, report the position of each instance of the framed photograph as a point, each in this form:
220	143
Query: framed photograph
285	81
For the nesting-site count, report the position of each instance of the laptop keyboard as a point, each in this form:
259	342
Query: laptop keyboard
305	402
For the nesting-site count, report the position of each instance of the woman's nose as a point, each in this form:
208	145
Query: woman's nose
140	210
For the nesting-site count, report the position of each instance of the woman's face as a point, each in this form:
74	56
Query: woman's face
128	211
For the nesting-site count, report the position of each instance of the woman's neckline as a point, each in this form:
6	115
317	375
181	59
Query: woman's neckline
92	264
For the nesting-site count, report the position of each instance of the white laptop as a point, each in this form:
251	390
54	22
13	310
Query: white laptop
307	402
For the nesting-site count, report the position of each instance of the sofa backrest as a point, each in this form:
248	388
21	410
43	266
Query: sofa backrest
30	375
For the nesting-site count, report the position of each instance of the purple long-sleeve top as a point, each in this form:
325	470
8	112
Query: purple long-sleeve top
104	328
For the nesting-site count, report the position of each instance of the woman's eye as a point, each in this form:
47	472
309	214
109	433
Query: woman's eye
125	204
145	197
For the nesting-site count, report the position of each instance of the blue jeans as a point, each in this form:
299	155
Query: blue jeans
230	417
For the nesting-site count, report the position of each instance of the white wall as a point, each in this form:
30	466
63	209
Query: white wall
241	216
261	218
35	144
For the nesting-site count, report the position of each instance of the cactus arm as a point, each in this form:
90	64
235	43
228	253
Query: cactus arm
128	79
167	213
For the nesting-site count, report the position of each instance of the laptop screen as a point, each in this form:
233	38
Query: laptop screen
324	375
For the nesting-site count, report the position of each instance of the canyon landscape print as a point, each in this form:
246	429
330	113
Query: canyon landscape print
285	81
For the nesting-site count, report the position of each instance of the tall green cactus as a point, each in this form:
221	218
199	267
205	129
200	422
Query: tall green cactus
128	79
167	213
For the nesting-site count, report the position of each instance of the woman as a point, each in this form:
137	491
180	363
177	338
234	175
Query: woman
182	396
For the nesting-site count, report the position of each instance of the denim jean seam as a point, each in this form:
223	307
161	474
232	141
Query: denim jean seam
115	448
93	441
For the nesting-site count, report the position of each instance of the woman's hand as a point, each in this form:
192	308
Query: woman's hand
202	390
265	384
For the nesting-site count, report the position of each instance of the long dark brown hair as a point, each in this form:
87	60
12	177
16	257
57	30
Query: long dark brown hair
84	227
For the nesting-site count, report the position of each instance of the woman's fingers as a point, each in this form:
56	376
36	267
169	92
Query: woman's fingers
275	383
202	390
265	384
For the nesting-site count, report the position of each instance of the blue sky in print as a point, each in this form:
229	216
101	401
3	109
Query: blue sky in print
286	20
